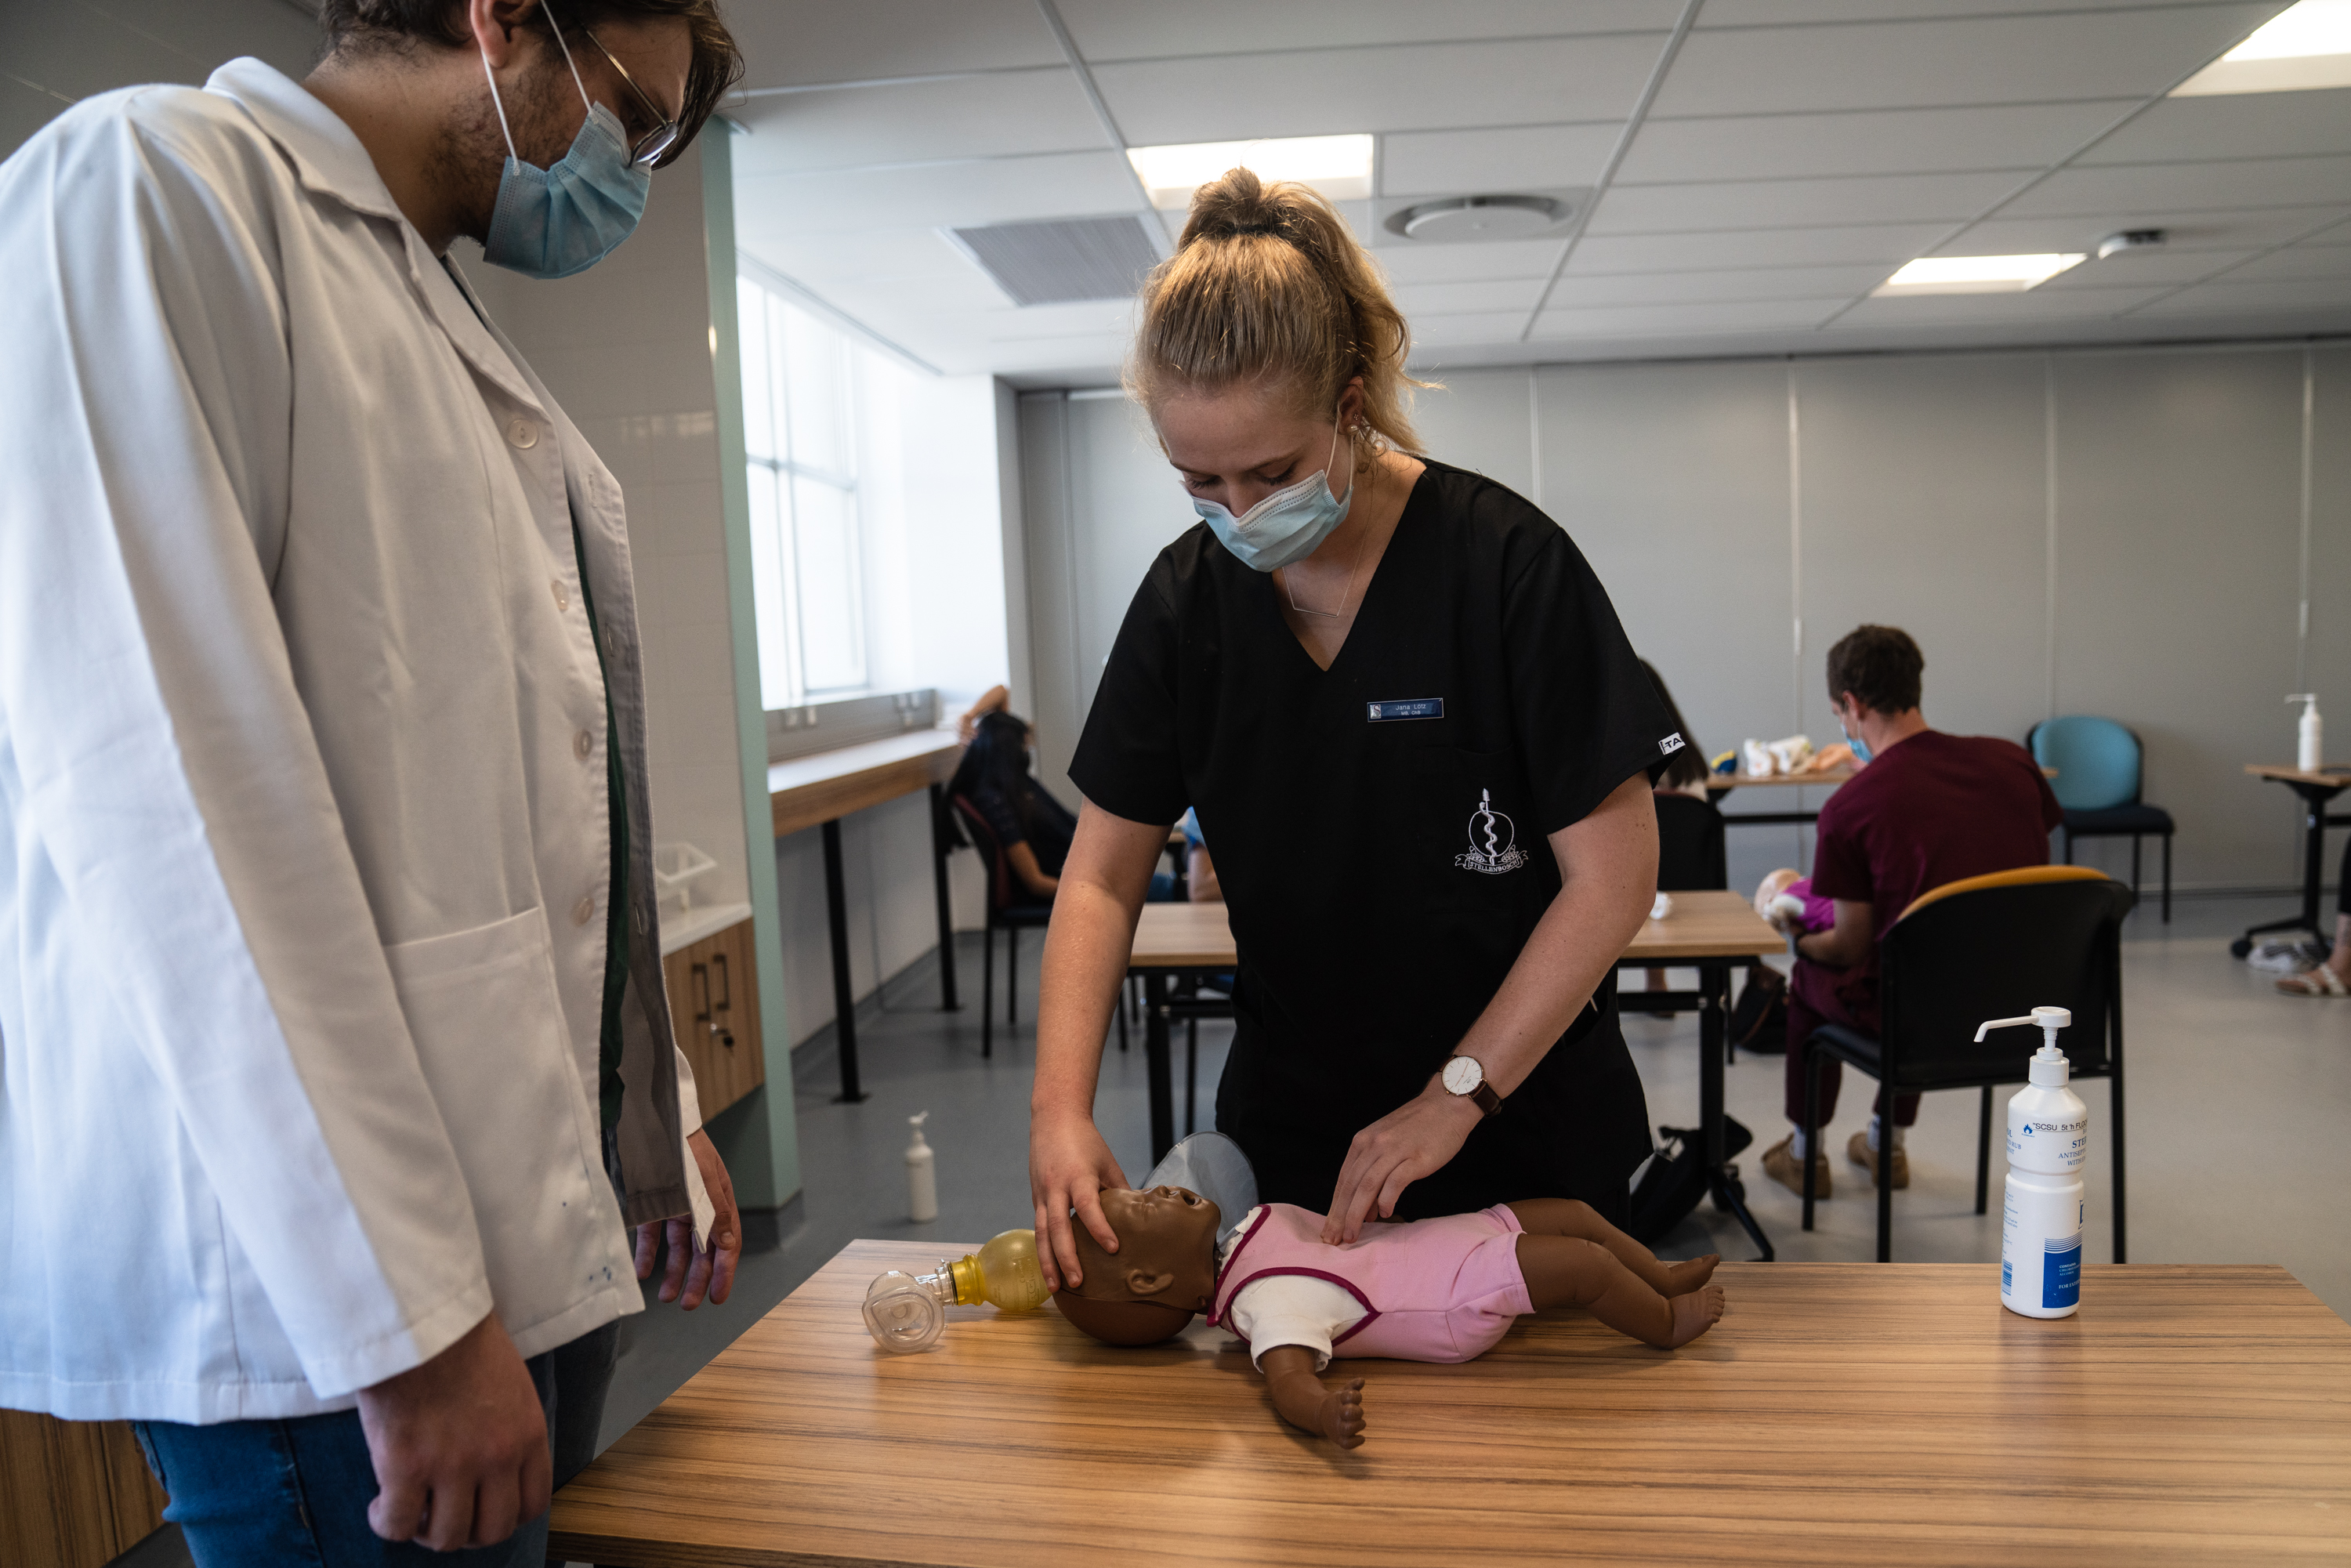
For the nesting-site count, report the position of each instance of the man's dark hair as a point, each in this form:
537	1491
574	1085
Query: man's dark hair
1879	664
367	26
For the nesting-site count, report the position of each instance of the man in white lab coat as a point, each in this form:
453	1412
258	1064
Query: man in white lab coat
330	995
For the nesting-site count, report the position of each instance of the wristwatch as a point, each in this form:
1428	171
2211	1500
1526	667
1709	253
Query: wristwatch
1466	1076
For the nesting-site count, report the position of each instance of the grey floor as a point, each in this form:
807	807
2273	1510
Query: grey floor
2236	1098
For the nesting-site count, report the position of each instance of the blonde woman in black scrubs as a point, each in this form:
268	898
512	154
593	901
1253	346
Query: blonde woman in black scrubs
1411	724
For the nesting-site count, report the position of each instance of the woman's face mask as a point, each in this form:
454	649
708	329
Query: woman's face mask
1287	526
552	222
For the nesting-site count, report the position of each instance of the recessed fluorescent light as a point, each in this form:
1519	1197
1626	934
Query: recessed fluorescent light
1338	166
2303	47
1975	274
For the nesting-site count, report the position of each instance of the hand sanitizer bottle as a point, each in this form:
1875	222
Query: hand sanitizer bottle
922	1176
2309	733
2042	1210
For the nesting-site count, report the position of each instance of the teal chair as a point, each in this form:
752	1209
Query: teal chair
2097	784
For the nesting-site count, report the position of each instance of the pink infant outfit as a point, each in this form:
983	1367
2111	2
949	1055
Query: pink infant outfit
1432	1290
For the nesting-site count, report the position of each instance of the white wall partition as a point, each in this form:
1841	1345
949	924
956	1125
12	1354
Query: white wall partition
2131	532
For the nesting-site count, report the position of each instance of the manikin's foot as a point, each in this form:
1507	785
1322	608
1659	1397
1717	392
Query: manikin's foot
1694	1314
1681	1279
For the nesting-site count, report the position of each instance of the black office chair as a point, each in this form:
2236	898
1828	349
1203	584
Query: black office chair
1986	948
1690	853
1003	914
2097	787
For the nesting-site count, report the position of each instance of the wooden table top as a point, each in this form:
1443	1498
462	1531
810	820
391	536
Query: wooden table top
816	789
2335	776
1840	1413
1827	777
1716	924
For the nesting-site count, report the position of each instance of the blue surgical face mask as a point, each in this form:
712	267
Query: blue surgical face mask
552	222
1288	525
1860	746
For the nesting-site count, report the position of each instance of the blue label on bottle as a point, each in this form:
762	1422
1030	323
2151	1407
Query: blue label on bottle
2061	1270
2007	1275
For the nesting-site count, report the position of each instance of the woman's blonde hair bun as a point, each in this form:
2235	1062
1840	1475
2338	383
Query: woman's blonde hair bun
1268	285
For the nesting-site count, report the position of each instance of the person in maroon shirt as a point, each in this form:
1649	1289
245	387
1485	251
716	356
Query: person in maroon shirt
1929	809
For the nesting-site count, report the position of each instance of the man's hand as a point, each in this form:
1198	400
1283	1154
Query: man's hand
1417	1137
459	1446
712	1272
1070	1168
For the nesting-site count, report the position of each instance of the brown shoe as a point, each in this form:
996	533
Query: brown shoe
1862	1155
1780	1165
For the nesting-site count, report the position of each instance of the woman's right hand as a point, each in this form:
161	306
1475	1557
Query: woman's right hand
1068	1167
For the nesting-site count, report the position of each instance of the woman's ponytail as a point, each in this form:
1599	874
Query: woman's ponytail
1268	285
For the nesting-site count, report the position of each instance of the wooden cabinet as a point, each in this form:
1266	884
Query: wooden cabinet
713	1001
73	1494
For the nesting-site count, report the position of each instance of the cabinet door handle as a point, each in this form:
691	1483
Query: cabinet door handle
702	993
726	984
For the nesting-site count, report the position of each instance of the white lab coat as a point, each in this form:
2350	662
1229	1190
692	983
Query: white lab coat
304	849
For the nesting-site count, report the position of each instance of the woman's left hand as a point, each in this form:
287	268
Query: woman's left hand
1419	1136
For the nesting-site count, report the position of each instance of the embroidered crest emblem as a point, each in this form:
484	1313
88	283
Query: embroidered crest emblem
1493	840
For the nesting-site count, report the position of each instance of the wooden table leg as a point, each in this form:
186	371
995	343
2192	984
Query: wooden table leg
844	998
939	848
1155	1063
1714	1039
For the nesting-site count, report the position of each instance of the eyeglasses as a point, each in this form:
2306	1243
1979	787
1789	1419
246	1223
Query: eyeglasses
654	143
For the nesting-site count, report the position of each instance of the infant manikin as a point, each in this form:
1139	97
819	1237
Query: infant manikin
1786	899
1431	1289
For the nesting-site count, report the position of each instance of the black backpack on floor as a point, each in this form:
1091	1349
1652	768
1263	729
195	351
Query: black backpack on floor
1760	1021
1674	1180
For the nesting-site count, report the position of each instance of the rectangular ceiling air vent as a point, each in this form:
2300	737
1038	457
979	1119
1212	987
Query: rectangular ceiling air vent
1063	263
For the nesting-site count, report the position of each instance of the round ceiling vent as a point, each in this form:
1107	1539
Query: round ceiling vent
1476	218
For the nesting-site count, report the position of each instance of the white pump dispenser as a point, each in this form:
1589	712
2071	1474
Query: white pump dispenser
2040	1209
2309	735
921	1178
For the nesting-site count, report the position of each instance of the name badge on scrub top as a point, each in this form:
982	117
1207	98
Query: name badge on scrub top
1407	708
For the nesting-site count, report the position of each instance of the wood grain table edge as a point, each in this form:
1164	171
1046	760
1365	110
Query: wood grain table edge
810	805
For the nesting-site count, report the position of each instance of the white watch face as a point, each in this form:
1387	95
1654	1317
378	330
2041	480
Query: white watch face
1463	1074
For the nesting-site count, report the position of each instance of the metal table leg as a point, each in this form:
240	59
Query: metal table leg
2315	821
1156	1017
844	999
939	848
1714	1039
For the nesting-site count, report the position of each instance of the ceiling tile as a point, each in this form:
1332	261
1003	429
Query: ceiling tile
1780	13
1422	87
1976	60
1830	283
2218	186
2226	298
2160	265
1407	262
1889	243
1139	29
2233	125
965	117
1003	190
1871	141
2188	229
968	293
1681	320
1761	203
886	256
2038	304
794	41
1424	299
1468	162
2294	263
1453	331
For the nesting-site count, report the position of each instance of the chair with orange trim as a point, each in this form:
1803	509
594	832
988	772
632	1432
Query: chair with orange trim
1986	948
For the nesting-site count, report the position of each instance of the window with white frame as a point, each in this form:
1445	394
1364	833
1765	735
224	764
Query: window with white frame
799	438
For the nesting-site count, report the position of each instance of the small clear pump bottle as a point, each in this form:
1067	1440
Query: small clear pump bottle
907	1312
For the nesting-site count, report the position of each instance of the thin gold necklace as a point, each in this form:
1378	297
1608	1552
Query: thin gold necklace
1361	549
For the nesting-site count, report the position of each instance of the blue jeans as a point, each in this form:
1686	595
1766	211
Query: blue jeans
296	1491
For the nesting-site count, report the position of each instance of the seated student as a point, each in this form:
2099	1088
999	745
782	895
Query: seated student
1032	828
1429	1289
1927	809
2333	977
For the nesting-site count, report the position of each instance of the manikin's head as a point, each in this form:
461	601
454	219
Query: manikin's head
1163	1271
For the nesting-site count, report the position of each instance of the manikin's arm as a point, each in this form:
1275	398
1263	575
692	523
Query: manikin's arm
1333	1412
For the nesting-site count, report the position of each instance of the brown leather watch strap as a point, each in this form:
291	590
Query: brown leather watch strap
1486	1099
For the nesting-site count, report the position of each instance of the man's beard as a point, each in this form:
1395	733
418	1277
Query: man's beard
469	155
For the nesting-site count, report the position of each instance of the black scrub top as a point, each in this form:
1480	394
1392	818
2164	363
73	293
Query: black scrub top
1380	829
